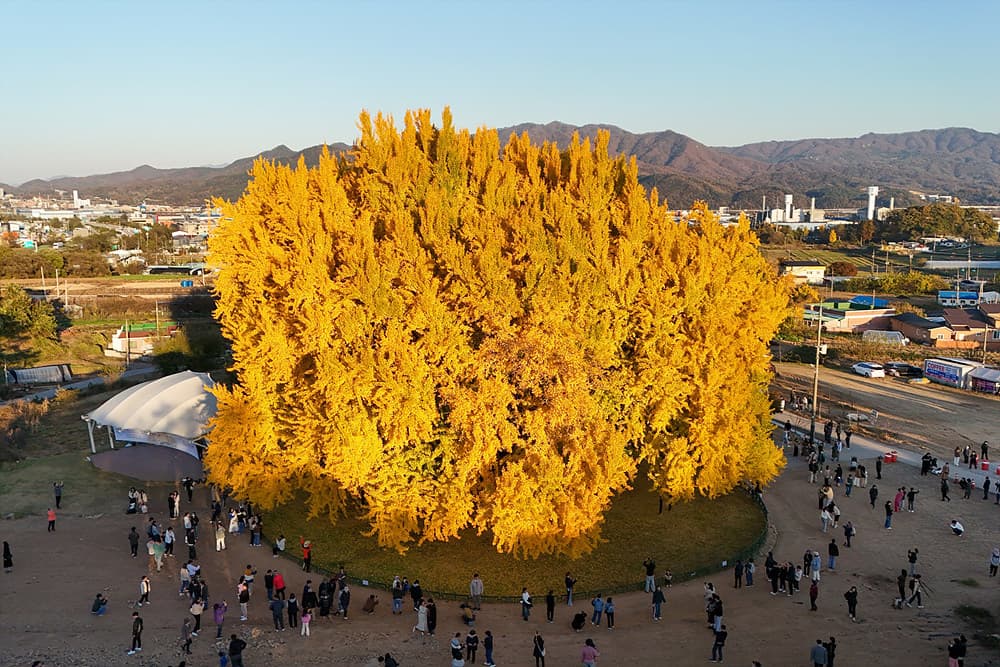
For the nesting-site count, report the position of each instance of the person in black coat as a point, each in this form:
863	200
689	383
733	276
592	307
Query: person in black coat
309	599
538	650
416	593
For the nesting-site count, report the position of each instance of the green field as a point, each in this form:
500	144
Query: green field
691	539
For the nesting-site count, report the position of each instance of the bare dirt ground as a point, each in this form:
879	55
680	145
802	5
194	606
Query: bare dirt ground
45	601
931	417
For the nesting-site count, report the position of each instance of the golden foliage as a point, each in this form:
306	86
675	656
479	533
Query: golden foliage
442	332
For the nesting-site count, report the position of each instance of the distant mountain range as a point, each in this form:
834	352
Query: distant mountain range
956	161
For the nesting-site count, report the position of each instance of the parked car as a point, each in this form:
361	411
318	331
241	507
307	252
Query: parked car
901	369
869	369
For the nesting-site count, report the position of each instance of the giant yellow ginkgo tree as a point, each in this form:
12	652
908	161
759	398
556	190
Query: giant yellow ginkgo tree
441	332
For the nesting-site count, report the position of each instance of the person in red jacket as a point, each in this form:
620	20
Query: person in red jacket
306	554
279	585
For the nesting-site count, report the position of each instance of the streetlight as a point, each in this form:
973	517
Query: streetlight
819	350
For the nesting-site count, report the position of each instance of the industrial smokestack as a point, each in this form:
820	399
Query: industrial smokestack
892	203
872	194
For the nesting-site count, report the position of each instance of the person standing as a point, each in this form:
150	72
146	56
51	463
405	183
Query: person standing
476	591
168	541
818	654
813	595
650	566
345	601
589	654
717	612
471	646
306	620
873	494
197	608
986	488
525	604
269	584
278	614
878	467
718	643
901	587
984	449
831	651
236	647
915	592
488	648
293	611
832	552
133	542
598	604
888	515
432	616
279	585
538	650
186	636
8	557
51	515
609	612
421	625
944	489
852	602
571	582
416	594
738	574
144	590
136	633
57	491
848	533
243	597
219	616
911	496
911	557
306	554
994	559
658	600
550	606
220	536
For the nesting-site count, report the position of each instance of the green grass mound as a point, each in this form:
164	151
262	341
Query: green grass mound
691	539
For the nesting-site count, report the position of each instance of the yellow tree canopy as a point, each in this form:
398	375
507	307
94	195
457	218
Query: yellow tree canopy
440	333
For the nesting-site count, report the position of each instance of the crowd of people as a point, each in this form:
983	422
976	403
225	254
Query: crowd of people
325	598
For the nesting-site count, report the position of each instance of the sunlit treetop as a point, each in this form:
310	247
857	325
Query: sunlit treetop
441	332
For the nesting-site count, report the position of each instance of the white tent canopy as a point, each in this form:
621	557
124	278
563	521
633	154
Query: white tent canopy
179	405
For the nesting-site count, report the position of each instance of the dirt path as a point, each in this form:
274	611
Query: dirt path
44	603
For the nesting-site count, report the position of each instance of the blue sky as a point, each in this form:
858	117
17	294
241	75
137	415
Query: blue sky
91	87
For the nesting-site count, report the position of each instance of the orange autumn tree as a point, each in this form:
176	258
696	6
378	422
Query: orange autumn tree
441	332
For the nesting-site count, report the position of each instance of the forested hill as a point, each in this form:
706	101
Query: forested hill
955	161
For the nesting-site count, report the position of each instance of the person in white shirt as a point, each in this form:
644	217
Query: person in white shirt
957	528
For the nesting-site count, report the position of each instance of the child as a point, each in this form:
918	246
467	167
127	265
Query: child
223	659
306	617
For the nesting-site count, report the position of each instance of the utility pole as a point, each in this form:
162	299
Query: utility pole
815	411
986	337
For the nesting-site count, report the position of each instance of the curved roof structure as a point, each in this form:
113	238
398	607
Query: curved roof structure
178	404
